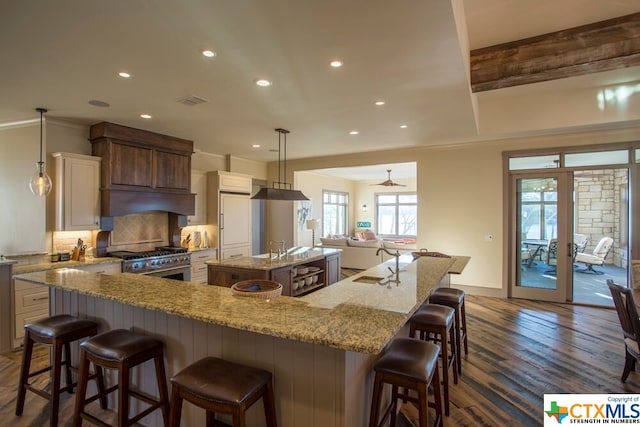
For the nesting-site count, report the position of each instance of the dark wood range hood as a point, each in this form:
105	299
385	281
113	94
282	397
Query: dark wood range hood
142	171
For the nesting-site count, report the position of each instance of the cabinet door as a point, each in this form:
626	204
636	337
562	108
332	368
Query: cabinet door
131	166
199	187
81	197
235	220
172	171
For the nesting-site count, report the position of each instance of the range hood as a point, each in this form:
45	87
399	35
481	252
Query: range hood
281	190
142	171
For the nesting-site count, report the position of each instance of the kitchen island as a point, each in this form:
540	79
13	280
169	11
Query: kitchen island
320	347
319	266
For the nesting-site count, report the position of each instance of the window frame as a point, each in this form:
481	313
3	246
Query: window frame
344	207
397	205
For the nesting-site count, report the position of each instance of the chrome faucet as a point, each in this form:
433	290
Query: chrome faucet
397	255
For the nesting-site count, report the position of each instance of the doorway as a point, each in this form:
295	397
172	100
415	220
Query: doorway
569	227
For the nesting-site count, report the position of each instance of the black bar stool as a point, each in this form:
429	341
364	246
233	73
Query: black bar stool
412	364
435	323
58	332
218	385
454	298
122	350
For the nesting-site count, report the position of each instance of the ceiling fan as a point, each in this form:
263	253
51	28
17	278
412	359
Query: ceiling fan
389	182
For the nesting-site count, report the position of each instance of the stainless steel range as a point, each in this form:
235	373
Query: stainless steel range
166	261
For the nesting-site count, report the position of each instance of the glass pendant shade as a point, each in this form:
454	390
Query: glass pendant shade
40	183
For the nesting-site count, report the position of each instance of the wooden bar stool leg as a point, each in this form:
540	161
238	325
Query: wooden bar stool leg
437	397
269	402
175	409
27	351
67	358
455	353
445	369
423	405
463	312
457	326
162	387
83	374
375	401
123	395
55	381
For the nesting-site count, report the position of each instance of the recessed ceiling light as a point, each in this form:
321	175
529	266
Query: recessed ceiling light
379	103
256	146
124	74
354	132
403	126
209	53
263	82
145	116
336	63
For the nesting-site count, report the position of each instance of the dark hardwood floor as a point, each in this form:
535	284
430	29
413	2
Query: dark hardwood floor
518	351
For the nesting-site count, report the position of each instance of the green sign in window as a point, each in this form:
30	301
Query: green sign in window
363	224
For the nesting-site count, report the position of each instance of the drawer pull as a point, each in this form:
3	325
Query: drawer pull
40	298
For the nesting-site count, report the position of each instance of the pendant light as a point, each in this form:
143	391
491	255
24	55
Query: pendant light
281	190
40	183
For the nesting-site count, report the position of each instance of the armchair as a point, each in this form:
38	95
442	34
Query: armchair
597	257
552	256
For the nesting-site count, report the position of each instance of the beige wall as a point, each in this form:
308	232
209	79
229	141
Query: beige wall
460	195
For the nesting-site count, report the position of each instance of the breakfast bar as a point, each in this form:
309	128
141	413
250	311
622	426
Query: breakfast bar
319	347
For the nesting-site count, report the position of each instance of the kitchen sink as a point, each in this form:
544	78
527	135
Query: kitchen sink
368	279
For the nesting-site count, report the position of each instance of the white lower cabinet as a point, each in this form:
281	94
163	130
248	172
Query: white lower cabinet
198	266
31	301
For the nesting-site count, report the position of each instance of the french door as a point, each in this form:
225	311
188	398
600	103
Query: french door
540	236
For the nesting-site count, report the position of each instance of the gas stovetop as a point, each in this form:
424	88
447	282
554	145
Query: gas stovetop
162	258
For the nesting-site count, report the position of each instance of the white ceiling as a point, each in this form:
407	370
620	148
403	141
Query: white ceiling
61	54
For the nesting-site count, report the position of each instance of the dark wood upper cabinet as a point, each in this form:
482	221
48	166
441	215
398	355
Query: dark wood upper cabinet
171	169
142	170
140	160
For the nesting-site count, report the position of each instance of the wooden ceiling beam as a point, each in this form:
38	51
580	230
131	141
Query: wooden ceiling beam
601	46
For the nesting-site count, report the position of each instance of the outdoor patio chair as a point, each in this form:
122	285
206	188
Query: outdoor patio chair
628	315
597	257
552	256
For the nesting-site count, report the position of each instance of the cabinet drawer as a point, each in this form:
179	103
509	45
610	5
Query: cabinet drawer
24	318
235	252
20	285
106	268
28	300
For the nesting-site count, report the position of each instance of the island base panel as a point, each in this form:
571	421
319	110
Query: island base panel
314	384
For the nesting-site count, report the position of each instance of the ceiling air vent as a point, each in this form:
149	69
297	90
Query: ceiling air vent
192	100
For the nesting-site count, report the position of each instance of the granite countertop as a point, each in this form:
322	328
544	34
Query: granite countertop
353	316
29	268
296	255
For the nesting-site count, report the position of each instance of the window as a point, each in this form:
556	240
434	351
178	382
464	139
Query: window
539	209
335	206
397	214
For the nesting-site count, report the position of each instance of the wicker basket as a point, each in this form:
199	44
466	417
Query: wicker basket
262	289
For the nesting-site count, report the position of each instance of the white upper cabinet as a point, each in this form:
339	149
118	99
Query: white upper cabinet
199	187
74	202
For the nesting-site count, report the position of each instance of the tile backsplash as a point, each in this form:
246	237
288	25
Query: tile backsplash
135	232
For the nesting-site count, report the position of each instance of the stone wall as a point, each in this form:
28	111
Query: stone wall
602	210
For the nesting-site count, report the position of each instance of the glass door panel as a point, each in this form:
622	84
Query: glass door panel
601	233
539	214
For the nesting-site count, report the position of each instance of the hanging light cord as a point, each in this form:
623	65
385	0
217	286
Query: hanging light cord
41	163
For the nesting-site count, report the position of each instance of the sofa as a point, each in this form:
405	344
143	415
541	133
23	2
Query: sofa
361	254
